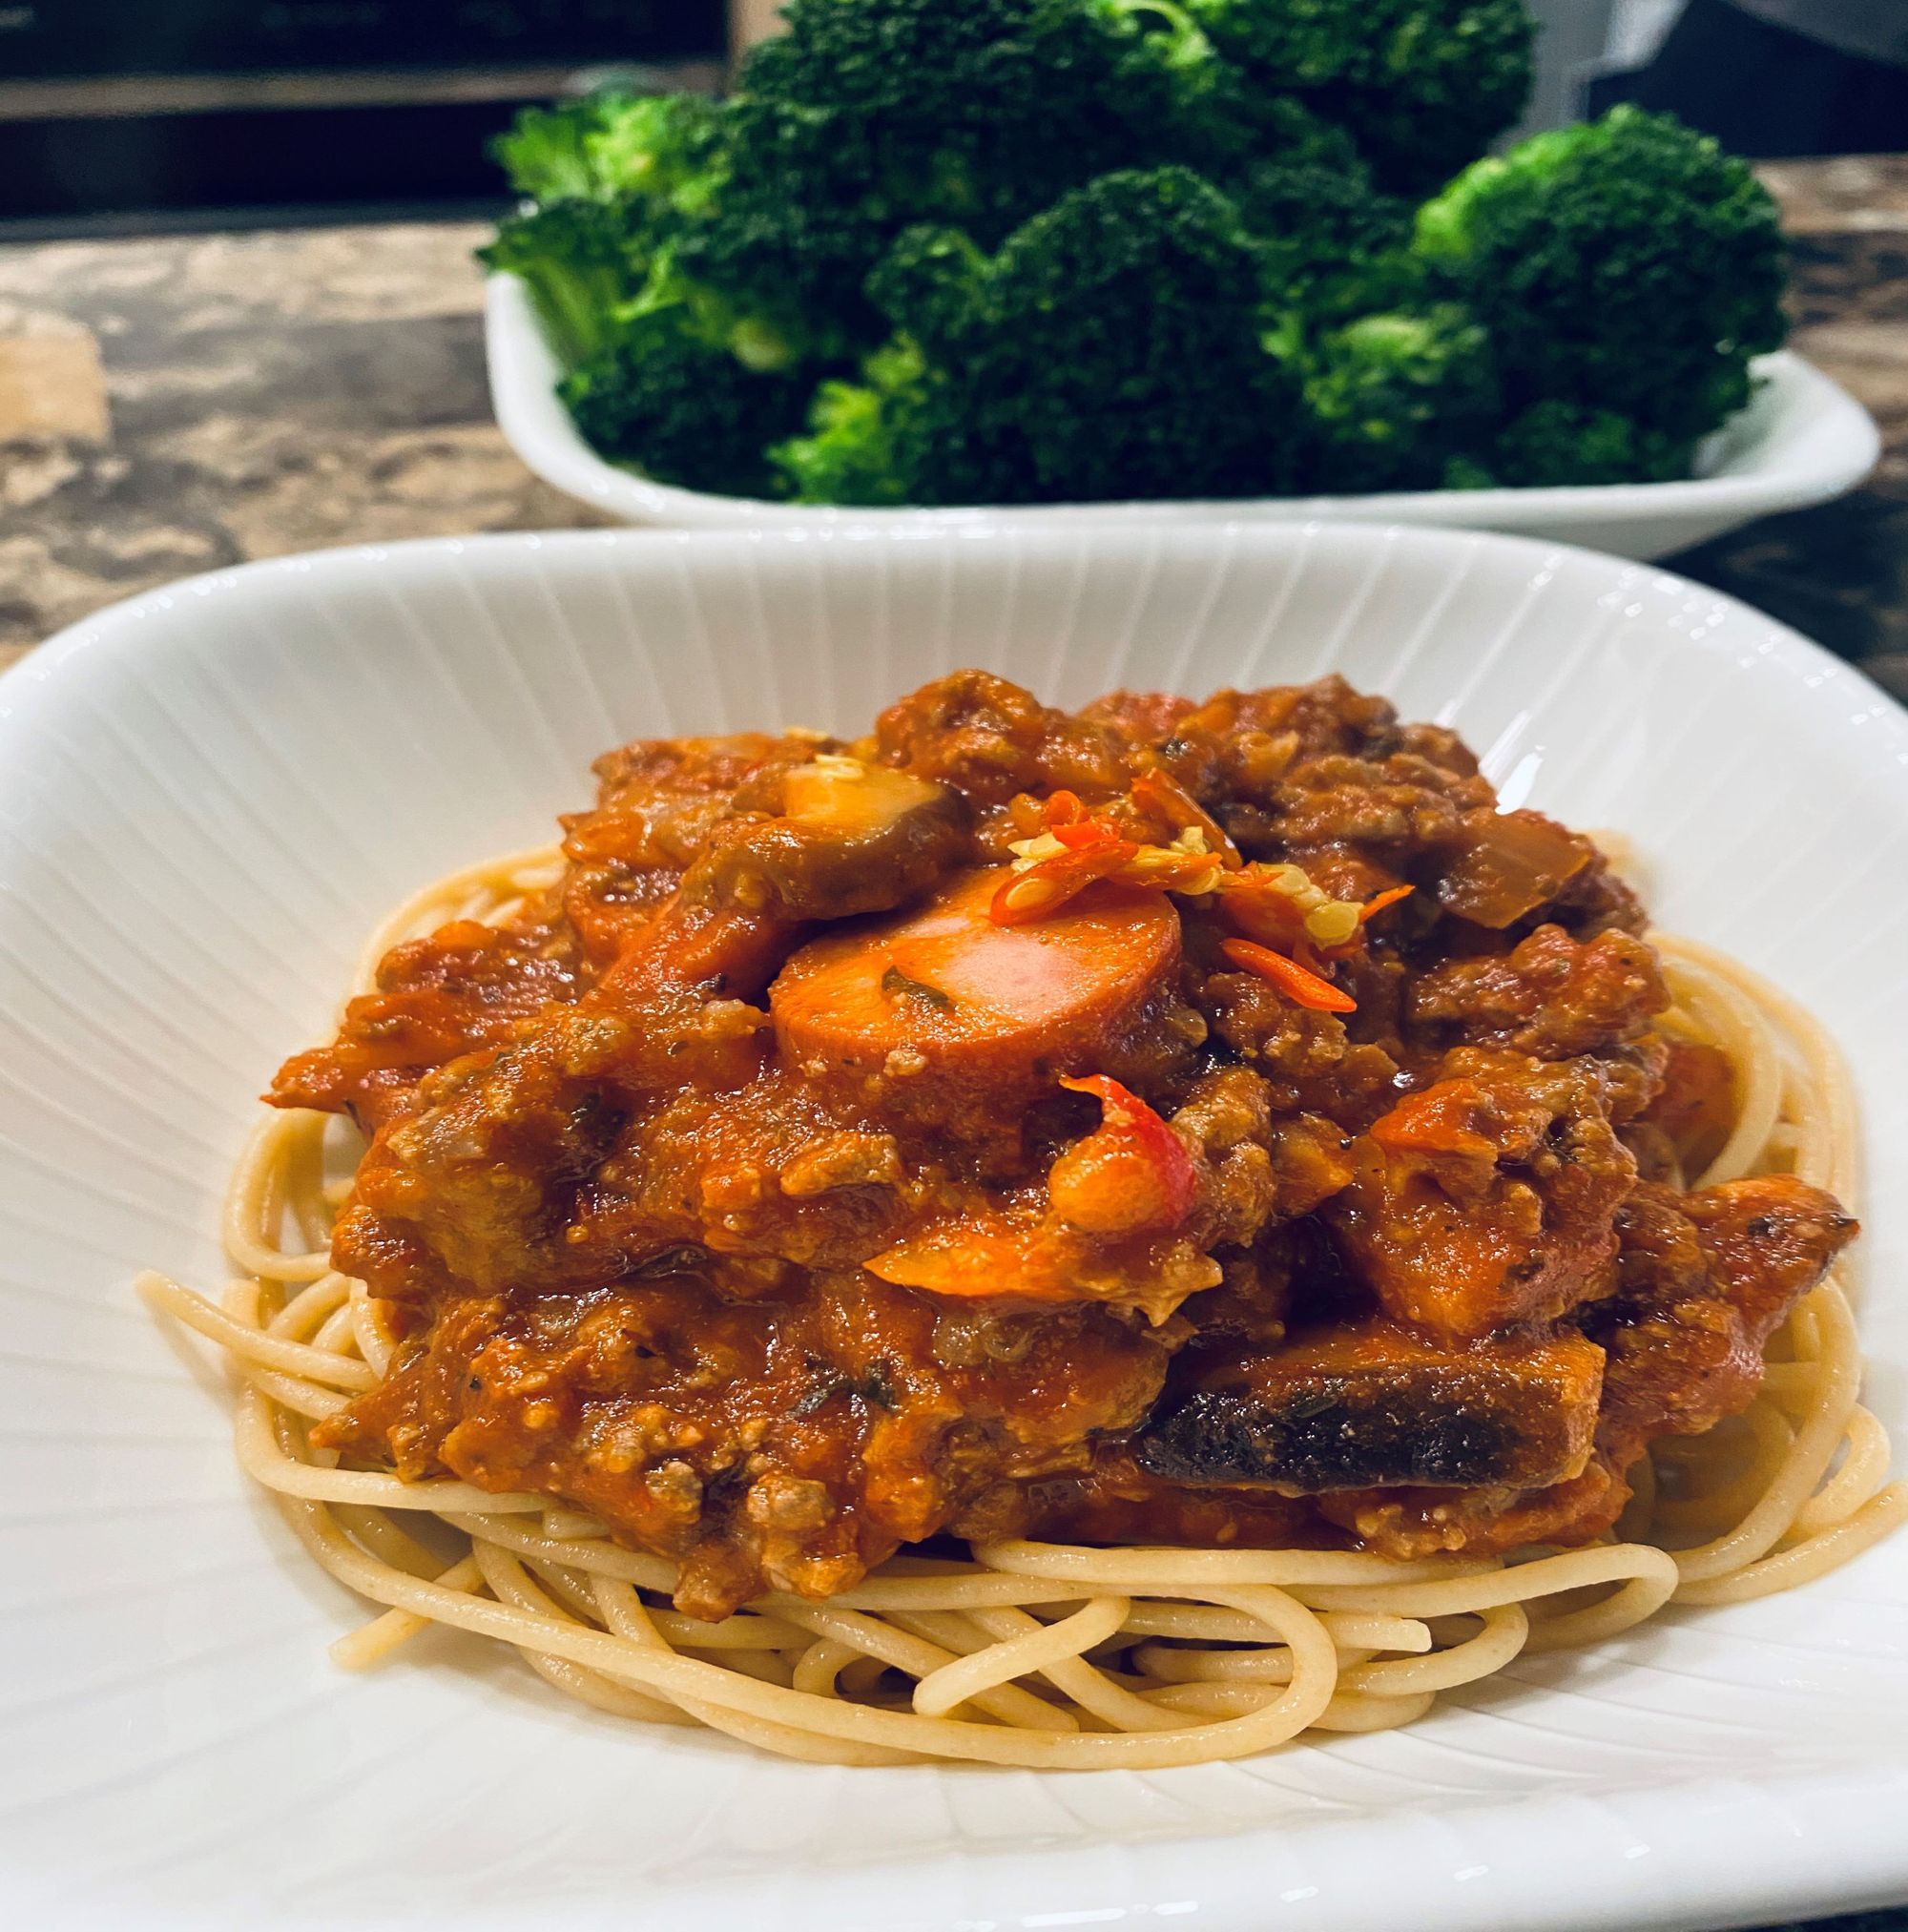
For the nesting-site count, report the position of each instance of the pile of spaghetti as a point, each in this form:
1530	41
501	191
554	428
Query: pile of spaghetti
1224	1585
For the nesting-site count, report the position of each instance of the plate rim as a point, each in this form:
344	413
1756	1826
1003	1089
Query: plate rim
46	660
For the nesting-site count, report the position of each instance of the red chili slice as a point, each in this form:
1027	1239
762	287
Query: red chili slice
1303	988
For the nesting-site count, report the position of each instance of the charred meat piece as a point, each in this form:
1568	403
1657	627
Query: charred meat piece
1705	1279
1351	1408
1117	1502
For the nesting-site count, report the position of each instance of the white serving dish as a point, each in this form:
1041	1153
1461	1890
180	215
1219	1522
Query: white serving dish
1802	441
208	795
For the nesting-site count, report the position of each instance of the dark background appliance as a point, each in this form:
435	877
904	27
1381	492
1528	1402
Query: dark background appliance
154	111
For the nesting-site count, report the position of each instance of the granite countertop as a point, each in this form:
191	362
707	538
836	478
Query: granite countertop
174	406
178	405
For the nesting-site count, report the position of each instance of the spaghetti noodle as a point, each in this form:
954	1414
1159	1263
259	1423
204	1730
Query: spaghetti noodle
1039	1654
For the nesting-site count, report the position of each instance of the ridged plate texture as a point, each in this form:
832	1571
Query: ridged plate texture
207	798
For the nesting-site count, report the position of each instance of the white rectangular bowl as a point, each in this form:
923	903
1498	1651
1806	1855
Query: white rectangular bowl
208	797
1803	440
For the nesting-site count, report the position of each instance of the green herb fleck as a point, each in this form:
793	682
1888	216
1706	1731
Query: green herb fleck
897	985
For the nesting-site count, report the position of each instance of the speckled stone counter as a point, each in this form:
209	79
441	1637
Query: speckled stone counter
173	406
266	393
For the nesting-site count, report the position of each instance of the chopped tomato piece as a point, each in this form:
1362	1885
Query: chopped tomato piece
1441	1119
985	1261
1303	987
1132	1173
1087	835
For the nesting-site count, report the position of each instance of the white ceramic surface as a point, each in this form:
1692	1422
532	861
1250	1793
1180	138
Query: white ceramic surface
1803	440
206	798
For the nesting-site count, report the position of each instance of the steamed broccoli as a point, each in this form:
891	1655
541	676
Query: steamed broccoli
1557	442
895	436
1175	96
978	113
662	371
682	316
1111	348
1398	397
684	411
921	60
1030	250
710	192
1332	247
584	262
1422	85
1628	265
802	208
611	148
984	114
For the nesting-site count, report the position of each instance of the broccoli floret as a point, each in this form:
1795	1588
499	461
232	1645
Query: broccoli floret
982	113
1111	349
940	105
1333	247
1557	442
877	442
921	59
1422	85
613	148
682	410
584	264
795	221
848	455
869	117
1396	397
668	365
594	267
692	385
660	146
1176	98
1628	264
690	298
1116	344
543	152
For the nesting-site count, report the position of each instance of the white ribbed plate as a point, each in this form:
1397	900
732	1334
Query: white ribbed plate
206	798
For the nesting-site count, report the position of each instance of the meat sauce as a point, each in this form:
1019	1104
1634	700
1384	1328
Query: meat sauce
1214	1123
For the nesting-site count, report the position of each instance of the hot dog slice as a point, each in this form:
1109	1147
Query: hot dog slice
945	996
